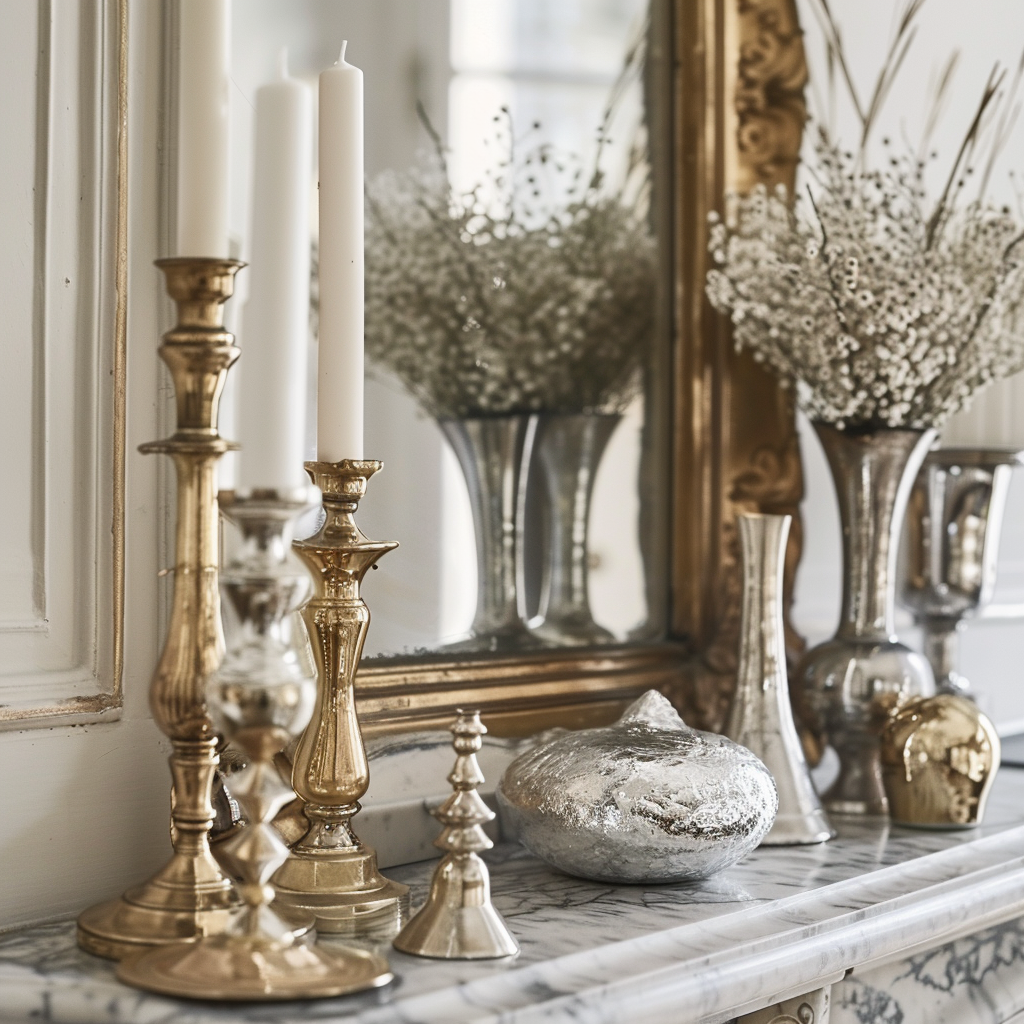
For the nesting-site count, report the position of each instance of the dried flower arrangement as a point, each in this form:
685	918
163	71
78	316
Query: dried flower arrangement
502	299
880	310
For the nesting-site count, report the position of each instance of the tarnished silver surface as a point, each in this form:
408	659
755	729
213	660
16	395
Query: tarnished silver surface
647	799
955	519
853	680
568	450
761	718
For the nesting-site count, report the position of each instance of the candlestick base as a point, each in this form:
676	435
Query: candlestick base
225	968
343	890
189	898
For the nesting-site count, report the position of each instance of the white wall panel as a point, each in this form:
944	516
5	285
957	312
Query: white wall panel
58	96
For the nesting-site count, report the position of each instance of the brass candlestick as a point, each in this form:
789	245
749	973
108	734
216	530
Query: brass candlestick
330	873
458	921
260	698
190	897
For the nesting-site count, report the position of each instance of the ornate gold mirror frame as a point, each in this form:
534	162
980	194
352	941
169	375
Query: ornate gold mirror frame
729	113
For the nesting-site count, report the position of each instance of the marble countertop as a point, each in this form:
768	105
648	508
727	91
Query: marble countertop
782	922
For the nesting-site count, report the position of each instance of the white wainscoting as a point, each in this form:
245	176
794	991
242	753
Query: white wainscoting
58	270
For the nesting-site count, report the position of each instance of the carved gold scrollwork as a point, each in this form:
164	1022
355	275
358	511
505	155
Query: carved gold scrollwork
769	93
738	443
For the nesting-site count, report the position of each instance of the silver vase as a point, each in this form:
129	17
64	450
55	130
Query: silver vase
493	451
955	519
761	718
853	680
568	450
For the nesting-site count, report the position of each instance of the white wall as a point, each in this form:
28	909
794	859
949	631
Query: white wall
84	808
984	32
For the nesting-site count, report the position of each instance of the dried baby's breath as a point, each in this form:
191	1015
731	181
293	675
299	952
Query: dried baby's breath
881	309
499	299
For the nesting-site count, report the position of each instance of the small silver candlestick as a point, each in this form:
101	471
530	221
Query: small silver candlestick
458	921
260	699
954	518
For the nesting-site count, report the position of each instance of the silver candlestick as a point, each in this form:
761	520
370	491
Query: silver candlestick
954	518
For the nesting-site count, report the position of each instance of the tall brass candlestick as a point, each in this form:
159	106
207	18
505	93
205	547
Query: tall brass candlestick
331	873
190	897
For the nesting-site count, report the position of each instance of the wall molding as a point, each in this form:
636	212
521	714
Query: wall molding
61	641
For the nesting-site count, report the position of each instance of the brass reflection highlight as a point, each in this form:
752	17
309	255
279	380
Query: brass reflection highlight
939	759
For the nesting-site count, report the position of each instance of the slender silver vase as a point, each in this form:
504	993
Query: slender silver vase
493	451
761	718
567	450
853	680
954	523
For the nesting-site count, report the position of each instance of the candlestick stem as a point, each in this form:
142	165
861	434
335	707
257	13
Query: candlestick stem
331	873
190	896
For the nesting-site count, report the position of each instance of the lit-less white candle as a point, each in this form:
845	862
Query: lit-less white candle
275	324
340	371
203	99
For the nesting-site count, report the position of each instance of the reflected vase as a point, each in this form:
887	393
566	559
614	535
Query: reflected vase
492	452
567	451
854	680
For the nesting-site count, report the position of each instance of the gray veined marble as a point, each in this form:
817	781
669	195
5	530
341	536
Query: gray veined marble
906	909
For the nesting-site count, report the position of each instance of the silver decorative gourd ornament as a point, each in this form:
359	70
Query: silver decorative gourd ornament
647	799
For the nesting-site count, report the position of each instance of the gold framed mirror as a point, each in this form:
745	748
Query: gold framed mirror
728	111
721	87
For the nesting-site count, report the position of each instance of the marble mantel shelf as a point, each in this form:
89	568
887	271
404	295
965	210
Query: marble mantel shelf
784	922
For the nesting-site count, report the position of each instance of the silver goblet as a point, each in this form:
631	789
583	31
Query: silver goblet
954	520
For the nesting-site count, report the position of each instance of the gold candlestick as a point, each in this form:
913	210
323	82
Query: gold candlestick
190	897
331	873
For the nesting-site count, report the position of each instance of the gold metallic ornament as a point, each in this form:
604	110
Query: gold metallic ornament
458	921
190	897
331	873
260	699
939	759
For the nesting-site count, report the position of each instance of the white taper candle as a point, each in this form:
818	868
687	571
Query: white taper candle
340	371
203	99
275	324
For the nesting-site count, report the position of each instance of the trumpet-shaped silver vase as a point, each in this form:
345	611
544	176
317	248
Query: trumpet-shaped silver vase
854	680
493	451
955	519
568	451
761	718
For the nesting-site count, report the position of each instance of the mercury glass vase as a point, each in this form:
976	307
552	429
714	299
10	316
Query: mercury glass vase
567	451
493	451
855	679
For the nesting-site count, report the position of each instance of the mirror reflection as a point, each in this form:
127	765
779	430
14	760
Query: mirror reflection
511	290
